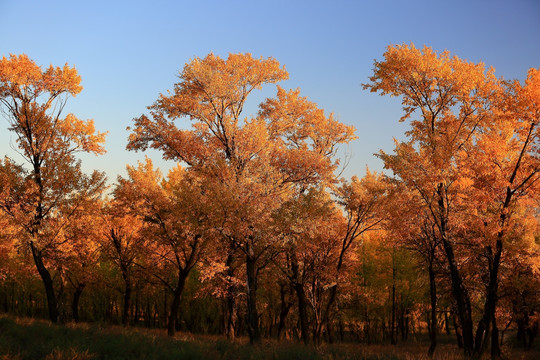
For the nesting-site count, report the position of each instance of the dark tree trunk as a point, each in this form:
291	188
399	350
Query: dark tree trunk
463	302
47	282
175	305
446	323
136	315
433	301
301	296
252	314
393	338
367	325
495	345
284	310
231	316
75	304
457	327
483	330
329	331
463	305
127	302
230	319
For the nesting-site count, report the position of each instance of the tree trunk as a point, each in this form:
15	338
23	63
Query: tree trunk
47	282
483	333
461	295
175	305
433	300
284	310
230	316
252	314
495	345
393	338
462	301
457	328
446	323
301	296
127	303
75	304
329	331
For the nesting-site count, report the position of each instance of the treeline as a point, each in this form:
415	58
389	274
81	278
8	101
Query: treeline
254	233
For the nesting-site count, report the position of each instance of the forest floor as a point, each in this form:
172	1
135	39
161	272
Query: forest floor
25	338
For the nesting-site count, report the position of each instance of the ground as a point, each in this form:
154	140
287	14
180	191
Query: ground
23	338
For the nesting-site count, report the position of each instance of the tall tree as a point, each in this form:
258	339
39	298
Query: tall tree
452	99
251	163
504	167
42	197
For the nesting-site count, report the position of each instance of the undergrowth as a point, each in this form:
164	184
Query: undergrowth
28	339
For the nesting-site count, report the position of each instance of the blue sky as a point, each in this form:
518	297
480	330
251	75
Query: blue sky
127	52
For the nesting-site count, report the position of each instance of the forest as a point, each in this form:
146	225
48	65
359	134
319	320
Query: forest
255	235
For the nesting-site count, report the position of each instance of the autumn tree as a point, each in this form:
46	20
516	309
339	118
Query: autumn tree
252	163
504	166
305	252
42	196
174	216
470	156
123	243
414	230
362	201
80	252
322	249
450	97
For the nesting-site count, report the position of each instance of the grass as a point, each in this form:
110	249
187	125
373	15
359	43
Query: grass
22	339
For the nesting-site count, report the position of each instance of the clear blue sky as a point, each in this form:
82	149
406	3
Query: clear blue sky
128	52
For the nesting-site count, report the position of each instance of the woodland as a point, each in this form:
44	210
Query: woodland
255	235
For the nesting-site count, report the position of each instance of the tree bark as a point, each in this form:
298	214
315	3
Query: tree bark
175	305
495	345
393	337
483	330
75	304
252	314
284	310
463	302
433	301
457	328
127	302
230	301
301	297
47	282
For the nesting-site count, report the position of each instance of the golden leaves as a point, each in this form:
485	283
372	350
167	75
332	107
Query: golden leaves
82	133
32	99
291	137
443	90
20	75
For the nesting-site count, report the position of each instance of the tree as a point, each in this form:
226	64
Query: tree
303	223
451	97
504	165
42	198
174	215
251	164
80	253
413	230
470	157
123	243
